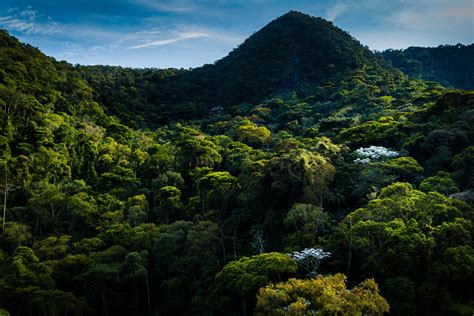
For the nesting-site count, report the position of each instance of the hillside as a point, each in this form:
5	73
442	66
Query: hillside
144	192
293	56
450	65
291	51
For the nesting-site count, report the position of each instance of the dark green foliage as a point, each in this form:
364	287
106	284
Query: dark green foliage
451	65
407	235
321	71
175	192
239	280
297	49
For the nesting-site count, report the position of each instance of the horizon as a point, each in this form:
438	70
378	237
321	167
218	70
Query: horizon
191	33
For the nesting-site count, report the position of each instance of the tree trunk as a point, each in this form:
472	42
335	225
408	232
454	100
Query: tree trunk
5	195
349	261
105	311
221	229
147	292
234	240
36	228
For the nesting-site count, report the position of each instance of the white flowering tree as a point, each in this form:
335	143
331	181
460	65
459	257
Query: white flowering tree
374	153
310	259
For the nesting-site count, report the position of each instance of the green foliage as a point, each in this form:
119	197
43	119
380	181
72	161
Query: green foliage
321	296
401	233
239	280
147	191
253	135
441	183
306	224
451	65
404	168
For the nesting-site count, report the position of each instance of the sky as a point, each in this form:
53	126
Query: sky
190	33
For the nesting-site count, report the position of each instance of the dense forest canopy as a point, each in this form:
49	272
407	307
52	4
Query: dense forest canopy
451	65
300	174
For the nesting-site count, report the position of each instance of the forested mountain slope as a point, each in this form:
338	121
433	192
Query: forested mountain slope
451	65
293	55
291	51
141	192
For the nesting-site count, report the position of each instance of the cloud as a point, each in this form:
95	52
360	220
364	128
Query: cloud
218	9
176	6
228	38
26	21
29	14
439	20
334	11
179	37
423	23
435	17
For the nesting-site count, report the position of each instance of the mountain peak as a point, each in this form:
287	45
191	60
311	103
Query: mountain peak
296	15
291	50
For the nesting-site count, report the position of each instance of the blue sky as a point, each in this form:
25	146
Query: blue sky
190	33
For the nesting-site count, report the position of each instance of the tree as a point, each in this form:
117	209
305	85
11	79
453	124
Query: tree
102	274
239	280
306	224
202	260
253	135
301	173
168	204
195	150
185	260
51	165
323	295
134	271
28	287
310	259
137	212
6	188
49	206
395	235
404	168
441	183
6	183
373	153
464	165
216	189
16	234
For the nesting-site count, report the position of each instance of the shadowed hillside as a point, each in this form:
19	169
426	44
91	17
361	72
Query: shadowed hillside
451	65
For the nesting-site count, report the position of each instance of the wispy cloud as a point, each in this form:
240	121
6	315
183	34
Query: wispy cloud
218	9
435	17
190	33
420	23
176	6
27	22
335	10
196	6
179	37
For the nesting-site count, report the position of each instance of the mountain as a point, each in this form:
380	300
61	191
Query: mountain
450	65
295	53
293	50
176	192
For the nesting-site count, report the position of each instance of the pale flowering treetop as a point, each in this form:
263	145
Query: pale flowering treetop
373	153
310	252
310	258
